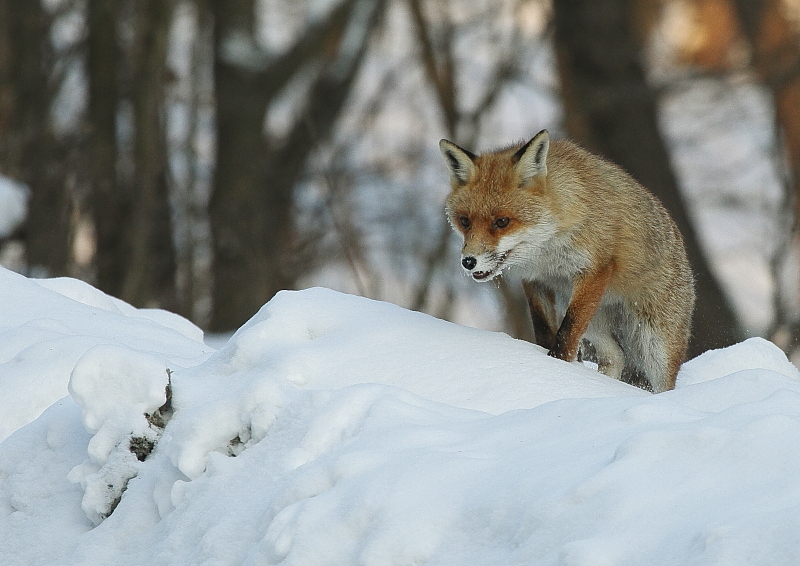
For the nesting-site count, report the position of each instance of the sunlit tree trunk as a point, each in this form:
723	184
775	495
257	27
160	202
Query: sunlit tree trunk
776	58
611	110
775	45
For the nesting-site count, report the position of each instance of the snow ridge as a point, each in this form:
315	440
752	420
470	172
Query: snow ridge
333	429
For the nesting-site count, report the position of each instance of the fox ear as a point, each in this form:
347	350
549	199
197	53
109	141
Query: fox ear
460	162
531	159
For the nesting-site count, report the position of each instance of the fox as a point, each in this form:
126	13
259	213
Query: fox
599	256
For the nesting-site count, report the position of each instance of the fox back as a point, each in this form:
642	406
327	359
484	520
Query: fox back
599	256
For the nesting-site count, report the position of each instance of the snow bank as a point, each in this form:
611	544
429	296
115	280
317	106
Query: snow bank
47	325
321	339
336	430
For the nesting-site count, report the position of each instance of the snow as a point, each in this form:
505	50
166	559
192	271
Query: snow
332	429
48	325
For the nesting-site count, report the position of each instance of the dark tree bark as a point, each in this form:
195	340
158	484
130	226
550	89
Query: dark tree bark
611	110
6	82
150	274
135	257
244	275
110	207
250	207
28	150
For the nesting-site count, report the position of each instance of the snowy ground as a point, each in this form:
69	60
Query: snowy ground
333	429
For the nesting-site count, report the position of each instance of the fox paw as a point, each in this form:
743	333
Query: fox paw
561	352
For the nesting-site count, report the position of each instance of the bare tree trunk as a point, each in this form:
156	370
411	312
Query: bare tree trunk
150	275
135	257
110	208
28	149
11	134
245	276
250	207
6	82
611	110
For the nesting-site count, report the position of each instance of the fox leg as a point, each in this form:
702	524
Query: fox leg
610	357
586	295
541	303
656	359
611	360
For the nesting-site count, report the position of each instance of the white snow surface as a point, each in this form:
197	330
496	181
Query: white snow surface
333	429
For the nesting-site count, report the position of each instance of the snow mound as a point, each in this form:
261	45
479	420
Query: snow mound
332	429
754	353
321	339
85	294
47	325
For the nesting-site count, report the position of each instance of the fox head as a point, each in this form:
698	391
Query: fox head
499	204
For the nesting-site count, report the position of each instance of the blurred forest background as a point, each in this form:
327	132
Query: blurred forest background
199	156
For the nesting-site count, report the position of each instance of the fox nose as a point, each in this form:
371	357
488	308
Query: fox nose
469	263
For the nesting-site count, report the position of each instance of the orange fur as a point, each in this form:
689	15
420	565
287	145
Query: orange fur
595	249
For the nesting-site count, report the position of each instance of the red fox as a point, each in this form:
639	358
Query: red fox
594	248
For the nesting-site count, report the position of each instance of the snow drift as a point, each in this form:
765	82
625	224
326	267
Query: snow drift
332	429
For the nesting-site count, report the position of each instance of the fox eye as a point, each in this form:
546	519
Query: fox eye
502	222
464	221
